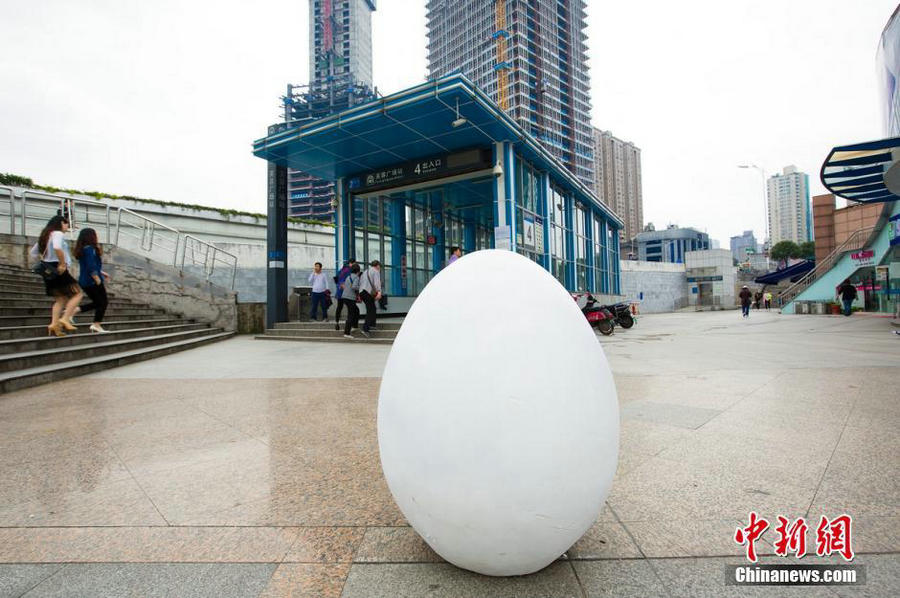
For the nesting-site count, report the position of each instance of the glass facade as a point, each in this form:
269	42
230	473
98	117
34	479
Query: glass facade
411	232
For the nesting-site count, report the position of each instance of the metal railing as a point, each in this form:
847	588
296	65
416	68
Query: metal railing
207	256
129	230
10	203
145	235
855	241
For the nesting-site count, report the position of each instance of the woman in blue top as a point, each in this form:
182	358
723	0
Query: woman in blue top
91	275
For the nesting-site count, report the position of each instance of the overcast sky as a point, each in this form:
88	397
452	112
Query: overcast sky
163	99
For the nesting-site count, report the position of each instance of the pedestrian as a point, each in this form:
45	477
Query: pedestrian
455	254
757	299
370	292
768	299
53	251
342	274
319	284
847	293
745	296
91	276
349	291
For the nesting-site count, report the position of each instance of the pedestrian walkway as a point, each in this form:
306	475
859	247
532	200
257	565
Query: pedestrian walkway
250	468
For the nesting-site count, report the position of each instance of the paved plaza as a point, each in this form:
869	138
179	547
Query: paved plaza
250	468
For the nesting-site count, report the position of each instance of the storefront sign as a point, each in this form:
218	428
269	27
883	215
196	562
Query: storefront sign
403	273
704	278
502	238
539	234
528	230
894	224
864	258
434	167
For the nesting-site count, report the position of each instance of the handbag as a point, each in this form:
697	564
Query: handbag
47	270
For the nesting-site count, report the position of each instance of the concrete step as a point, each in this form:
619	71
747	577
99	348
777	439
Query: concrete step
330	325
45	302
83	336
27	287
39	330
44	312
10	381
20	276
16	321
330	333
40	295
101	346
358	339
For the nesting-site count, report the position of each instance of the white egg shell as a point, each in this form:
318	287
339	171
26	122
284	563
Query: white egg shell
498	421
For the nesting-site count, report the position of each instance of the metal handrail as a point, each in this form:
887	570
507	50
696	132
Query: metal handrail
852	242
12	209
148	227
152	222
209	263
25	194
73	202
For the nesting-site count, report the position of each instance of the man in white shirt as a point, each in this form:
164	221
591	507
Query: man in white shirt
319	285
370	292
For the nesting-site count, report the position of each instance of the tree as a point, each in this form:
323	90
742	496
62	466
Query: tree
784	250
808	250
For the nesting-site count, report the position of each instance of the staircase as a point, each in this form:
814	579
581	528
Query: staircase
856	241
324	332
29	357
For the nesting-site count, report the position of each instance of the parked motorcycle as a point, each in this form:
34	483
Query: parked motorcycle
598	316
622	314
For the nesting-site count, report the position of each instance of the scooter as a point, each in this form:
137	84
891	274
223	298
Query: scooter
622	314
598	316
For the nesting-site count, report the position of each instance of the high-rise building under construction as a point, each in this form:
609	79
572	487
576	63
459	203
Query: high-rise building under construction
340	70
530	57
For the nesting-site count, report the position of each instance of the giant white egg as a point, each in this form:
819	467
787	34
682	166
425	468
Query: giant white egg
498	421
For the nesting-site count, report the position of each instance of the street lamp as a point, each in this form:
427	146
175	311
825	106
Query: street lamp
762	171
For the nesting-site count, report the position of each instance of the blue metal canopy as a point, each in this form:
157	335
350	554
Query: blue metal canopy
444	115
863	172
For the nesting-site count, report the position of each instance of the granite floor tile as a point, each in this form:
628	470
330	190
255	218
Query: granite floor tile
441	580
325	545
882	578
859	484
150	438
604	540
348	493
614	579
649	438
156	581
716	390
684	538
293	580
78	471
671	414
121	502
705	577
663	489
719	451
16	580
146	544
395	545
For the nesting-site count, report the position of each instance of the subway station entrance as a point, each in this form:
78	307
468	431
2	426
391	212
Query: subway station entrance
437	166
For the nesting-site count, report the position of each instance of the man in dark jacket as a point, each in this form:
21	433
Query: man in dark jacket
847	293
339	284
745	295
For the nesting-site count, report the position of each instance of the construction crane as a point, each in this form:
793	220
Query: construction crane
501	35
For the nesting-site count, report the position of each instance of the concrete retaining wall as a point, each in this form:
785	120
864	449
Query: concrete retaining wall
143	280
663	286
